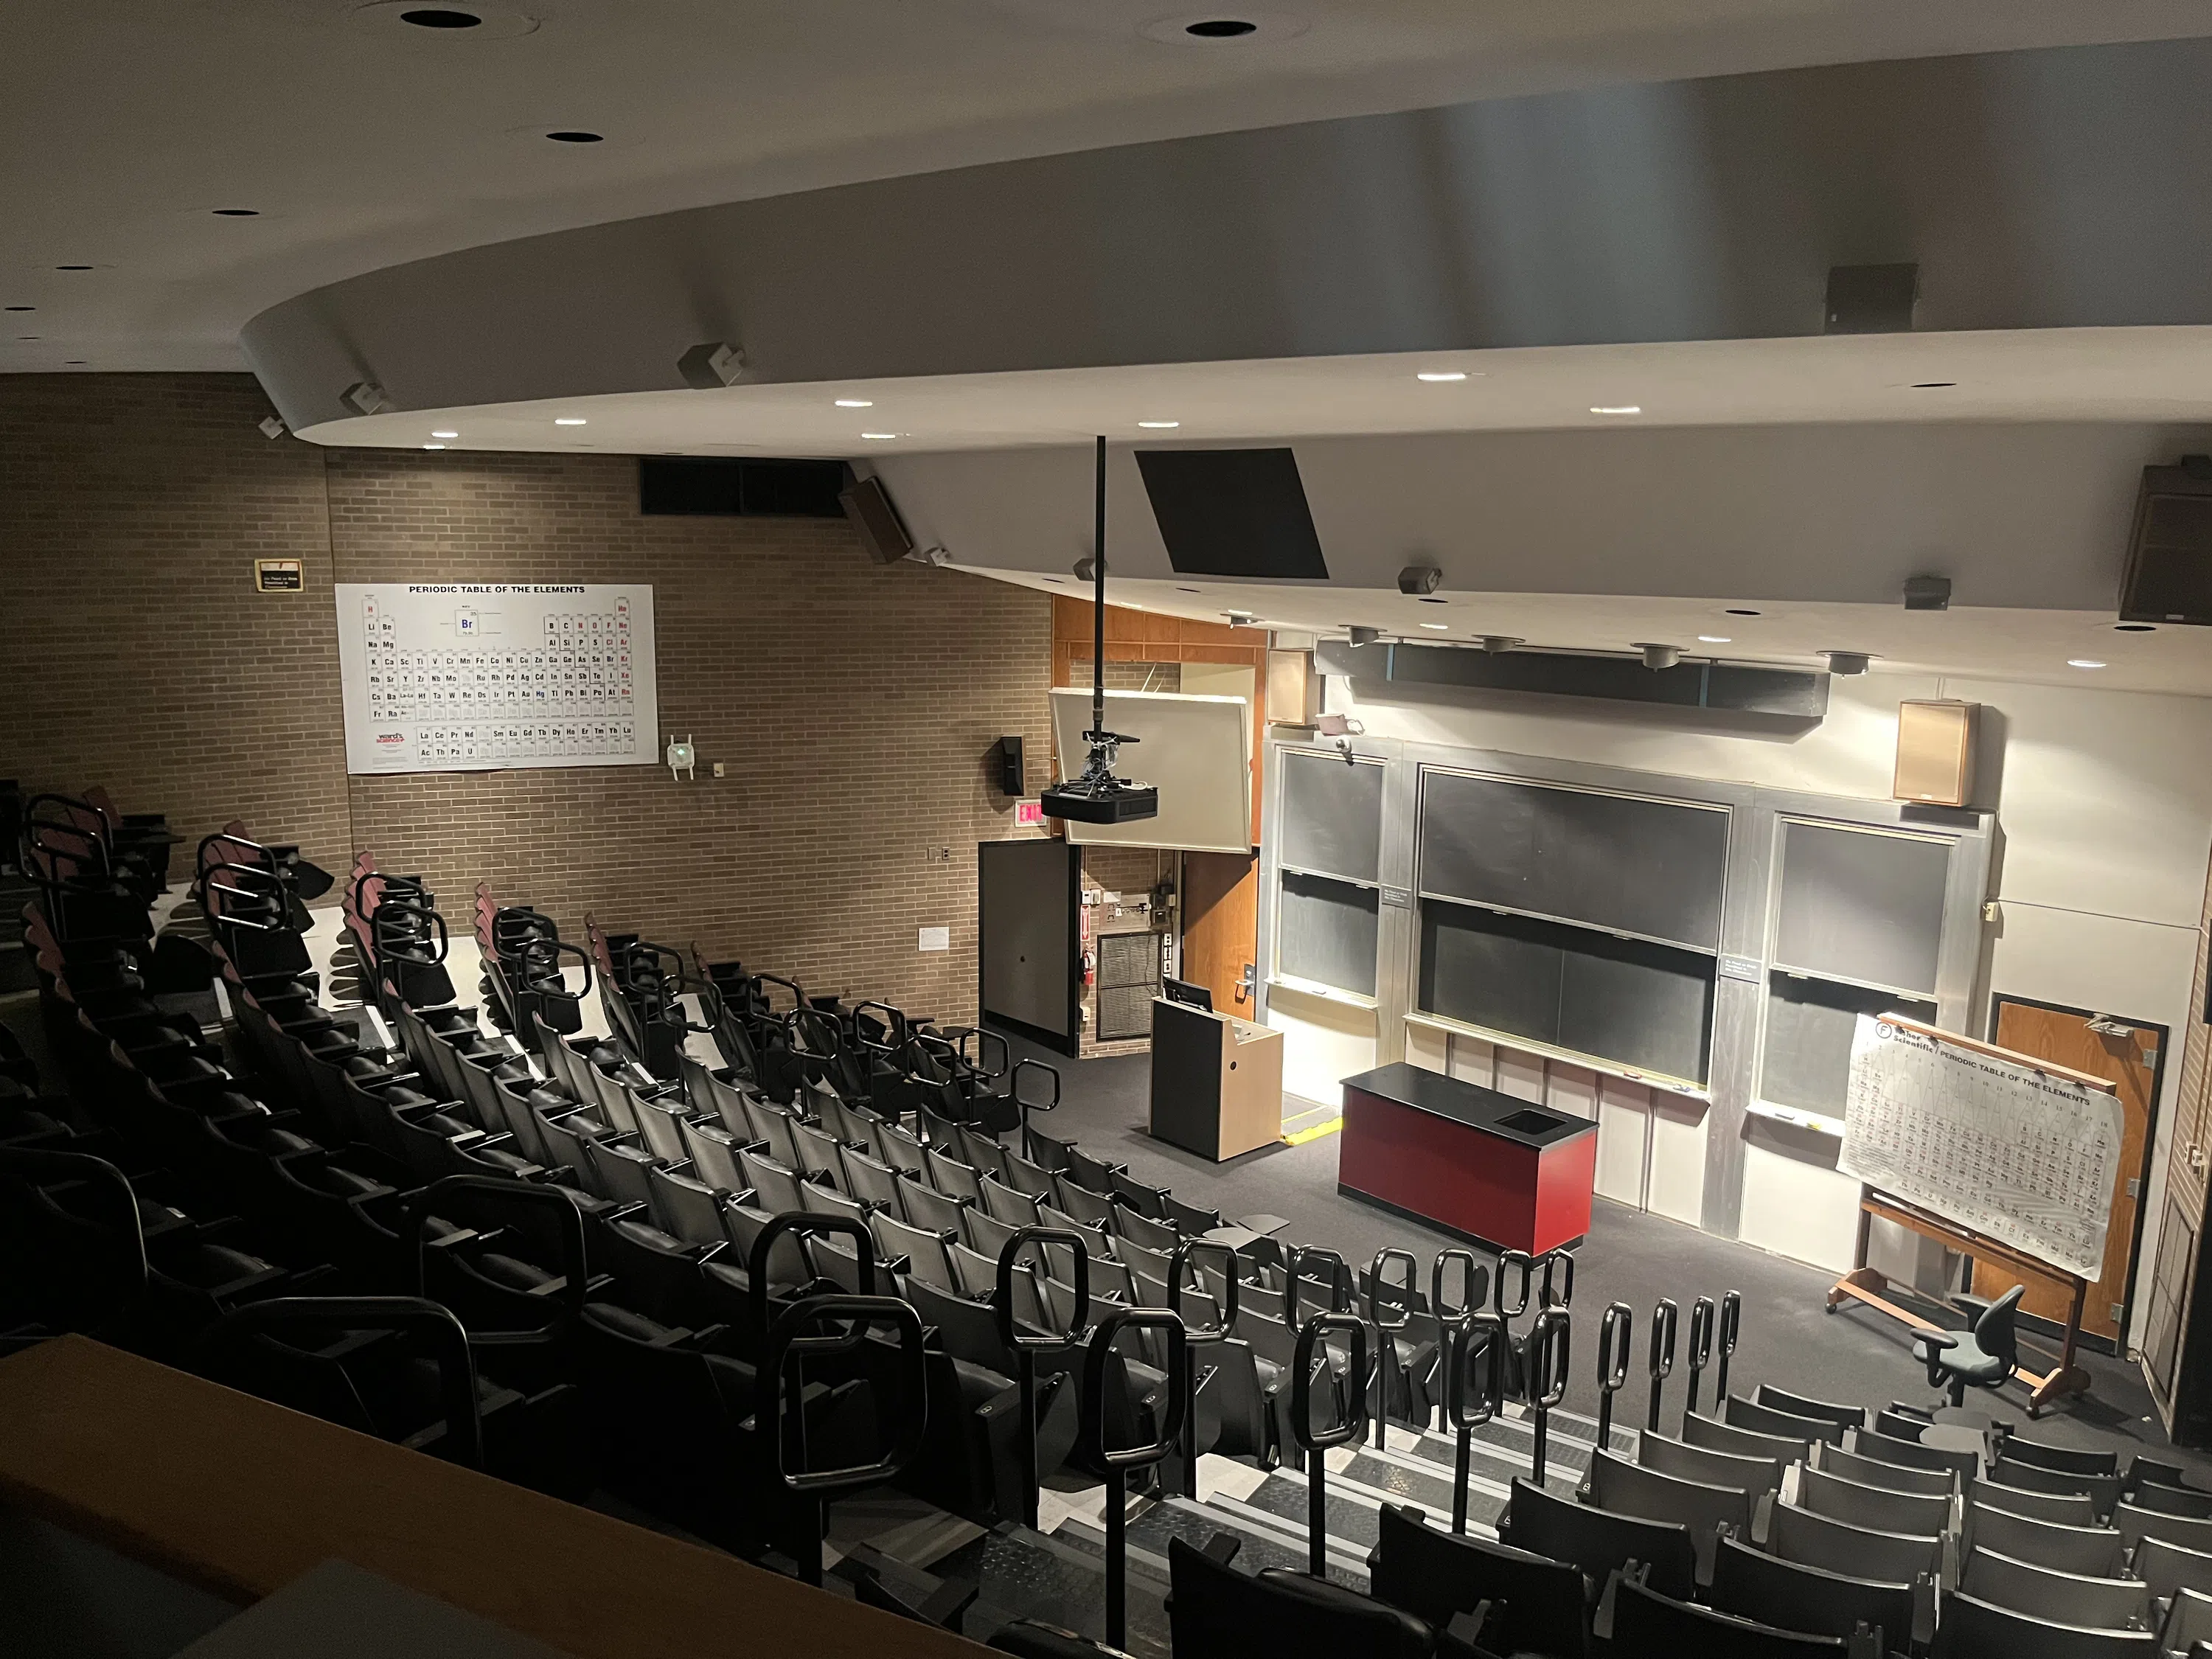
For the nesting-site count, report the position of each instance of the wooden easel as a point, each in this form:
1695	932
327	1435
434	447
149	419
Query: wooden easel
1863	1283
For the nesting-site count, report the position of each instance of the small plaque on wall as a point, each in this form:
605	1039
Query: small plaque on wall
278	576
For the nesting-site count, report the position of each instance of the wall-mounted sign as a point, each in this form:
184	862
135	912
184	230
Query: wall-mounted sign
278	576
1028	815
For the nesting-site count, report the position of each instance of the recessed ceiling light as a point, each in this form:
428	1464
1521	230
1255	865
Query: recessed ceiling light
856	403
1190	590
1616	409
441	17
2134	628
1714	639
2083	662
1738	613
72	267
1054	580
1438	376
576	135
21	308
73	362
1220	28
1439	626
1159	426
879	437
444	435
237	213
434	445
569	420
1932	385
1430	601
27	336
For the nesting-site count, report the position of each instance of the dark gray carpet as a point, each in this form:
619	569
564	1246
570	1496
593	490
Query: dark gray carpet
1853	1355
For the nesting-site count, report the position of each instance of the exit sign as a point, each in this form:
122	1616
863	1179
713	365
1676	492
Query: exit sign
1028	815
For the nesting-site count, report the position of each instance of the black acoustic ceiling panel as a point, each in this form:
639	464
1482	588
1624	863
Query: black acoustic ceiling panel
1233	513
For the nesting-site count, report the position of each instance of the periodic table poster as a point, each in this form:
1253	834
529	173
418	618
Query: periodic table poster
2027	1157
464	677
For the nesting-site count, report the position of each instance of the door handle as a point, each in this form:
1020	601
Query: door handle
1248	984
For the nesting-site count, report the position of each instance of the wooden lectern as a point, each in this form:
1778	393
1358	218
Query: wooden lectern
1217	1081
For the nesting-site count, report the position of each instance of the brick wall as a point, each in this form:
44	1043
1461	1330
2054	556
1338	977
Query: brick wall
856	704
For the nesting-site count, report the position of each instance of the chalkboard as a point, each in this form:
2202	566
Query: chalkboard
1624	862
1625	1001
1862	904
1325	932
1809	1026
1332	814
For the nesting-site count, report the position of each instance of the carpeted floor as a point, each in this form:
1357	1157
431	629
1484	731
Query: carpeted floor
1853	1355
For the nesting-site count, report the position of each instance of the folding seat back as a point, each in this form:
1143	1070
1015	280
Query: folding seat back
969	1328
984	1232
1975	1629
1539	1603
1145	1201
2188	1626
1072	1198
1153	1264
714	1153
1823	1410
952	1177
1034	1179
2135	1522
1900	1423
1911	1454
816	1199
1789	1595
1095	1239
980	1152
683	1207
1015	1209
820	1153
1046	1151
925	1207
2066	1459
1892	1477
1742	1413
1871	1506
1191	1219
775	1186
1684	1462
925	1251
619	1168
2093	1551
2062	1597
1815	1540
1646	1622
1626	1488
780	1129
1112	1281
976	1273
660	1124
1214	1609
2162	1497
2167	1568
787	1263
2068	1509
1596	1540
873	1183
1093	1173
1143	1230
899	1147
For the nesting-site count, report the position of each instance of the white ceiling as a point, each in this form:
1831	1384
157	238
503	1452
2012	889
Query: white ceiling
2133	374
1994	644
362	143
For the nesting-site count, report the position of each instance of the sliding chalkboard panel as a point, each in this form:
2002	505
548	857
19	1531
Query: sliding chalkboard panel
1625	1001
1332	814
1325	932
1862	904
1809	1026
1625	863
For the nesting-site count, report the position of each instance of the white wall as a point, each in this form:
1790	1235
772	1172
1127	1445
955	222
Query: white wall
2104	804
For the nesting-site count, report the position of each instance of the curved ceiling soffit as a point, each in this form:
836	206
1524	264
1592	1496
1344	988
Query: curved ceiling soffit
2033	190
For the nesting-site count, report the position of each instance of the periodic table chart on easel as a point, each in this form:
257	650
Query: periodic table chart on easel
458	677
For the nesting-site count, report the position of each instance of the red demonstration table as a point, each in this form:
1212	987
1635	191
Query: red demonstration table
1474	1161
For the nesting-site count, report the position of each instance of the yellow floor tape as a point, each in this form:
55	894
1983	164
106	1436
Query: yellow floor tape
1300	1137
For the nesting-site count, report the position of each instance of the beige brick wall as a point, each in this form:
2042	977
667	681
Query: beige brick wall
856	704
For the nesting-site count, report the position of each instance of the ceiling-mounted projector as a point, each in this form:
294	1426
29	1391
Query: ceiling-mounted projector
1097	796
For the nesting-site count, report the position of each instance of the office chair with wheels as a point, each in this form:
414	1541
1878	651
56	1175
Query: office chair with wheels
1984	1357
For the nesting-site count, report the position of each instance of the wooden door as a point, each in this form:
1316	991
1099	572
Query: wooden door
1221	927
2130	1060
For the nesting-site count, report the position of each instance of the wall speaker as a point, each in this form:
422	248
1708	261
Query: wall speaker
1871	299
1013	779
1936	753
1293	688
877	520
2169	574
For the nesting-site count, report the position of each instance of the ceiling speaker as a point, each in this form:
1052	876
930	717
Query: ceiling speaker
875	519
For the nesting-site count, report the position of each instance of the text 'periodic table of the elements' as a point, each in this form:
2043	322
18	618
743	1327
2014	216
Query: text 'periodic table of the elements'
456	676
2022	1155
